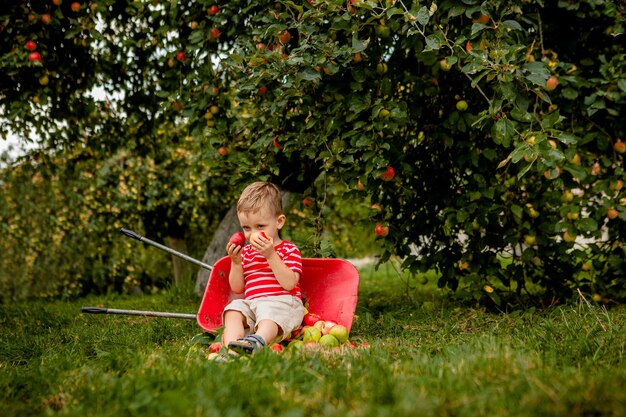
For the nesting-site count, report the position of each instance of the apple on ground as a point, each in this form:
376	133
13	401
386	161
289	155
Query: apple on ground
340	332
328	340
295	345
325	326
310	345
238	239
215	347
311	334
277	347
311	318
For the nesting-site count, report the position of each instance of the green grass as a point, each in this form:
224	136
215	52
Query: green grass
427	356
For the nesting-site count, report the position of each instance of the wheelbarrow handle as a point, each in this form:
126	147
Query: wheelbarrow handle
100	310
188	258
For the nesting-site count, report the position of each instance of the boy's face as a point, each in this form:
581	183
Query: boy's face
262	220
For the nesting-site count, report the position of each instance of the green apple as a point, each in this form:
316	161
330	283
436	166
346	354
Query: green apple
311	334
340	332
329	340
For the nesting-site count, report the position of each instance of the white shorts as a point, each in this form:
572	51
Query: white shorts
286	311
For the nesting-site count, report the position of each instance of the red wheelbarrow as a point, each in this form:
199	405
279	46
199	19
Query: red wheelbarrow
329	288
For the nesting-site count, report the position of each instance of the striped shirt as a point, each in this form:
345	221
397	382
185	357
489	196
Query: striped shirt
259	278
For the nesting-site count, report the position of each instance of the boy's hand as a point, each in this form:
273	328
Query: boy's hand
234	252
262	243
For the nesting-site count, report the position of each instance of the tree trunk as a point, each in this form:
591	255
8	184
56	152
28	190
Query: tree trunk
182	268
217	248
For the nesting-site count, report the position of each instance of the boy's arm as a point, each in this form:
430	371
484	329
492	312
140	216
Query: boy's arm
287	278
235	278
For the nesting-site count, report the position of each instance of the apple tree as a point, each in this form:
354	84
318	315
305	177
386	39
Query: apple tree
489	133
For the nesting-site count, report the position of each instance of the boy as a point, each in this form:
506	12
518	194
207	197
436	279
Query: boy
266	271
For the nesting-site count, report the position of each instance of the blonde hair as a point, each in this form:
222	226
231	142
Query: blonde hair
258	195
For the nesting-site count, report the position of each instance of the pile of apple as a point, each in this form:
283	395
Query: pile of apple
316	331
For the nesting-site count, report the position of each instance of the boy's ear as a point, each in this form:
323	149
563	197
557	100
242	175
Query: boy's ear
280	221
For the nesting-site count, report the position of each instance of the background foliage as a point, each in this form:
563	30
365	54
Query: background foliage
438	114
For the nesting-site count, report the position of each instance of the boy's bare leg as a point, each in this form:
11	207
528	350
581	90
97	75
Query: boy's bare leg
268	330
233	326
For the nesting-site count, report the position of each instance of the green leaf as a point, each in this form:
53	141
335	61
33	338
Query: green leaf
434	42
423	16
587	225
359	45
502	132
566	138
512	24
537	72
517	210
551	119
477	27
569	93
309	74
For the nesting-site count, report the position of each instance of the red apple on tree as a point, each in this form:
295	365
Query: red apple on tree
284	36
34	57
262	90
180	56
388	174
215	33
619	146
238	239
46	19
381	230
552	83
75	6
612	213
213	10
307	202
30	45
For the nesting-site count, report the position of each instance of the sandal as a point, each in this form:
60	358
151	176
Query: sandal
248	344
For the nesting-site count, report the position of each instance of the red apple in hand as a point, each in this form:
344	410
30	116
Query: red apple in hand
238	239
